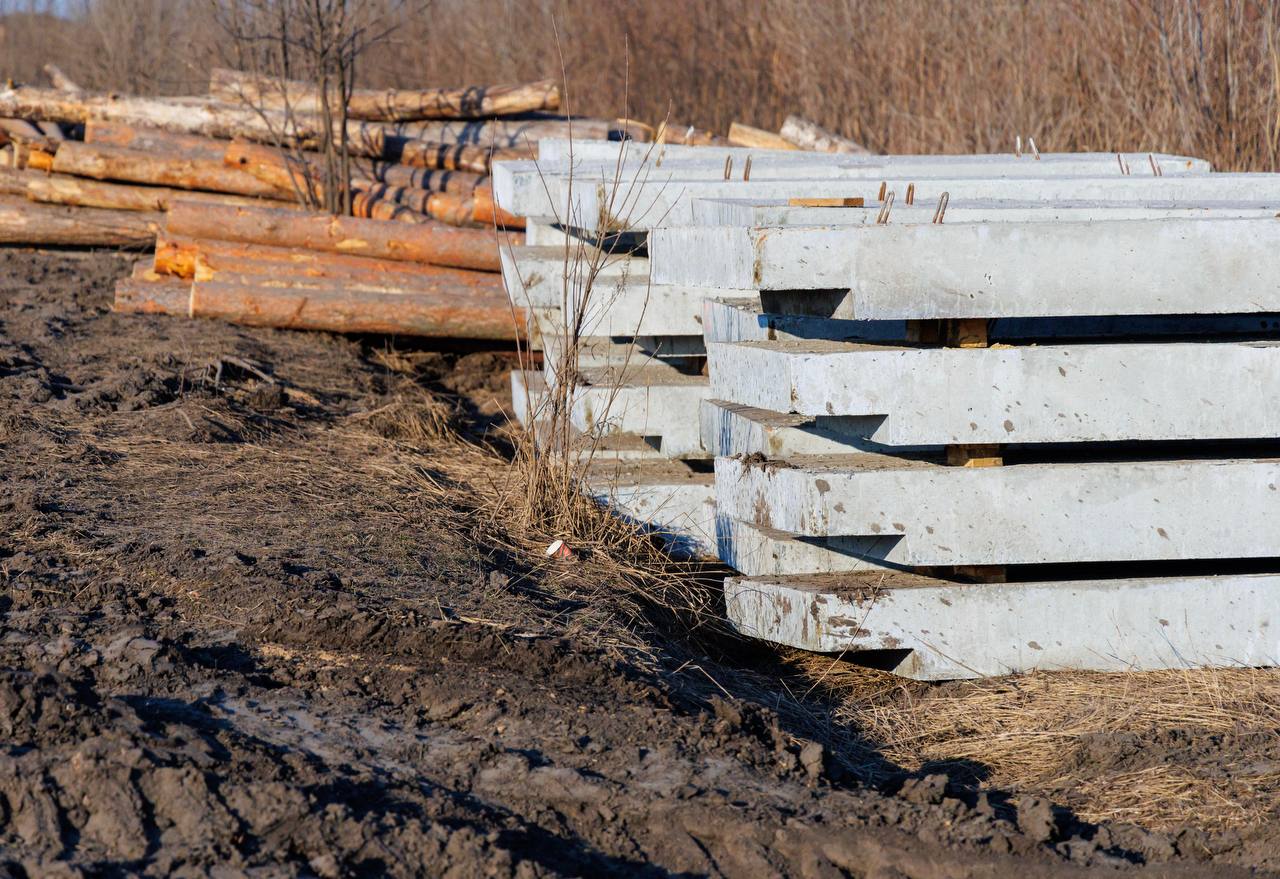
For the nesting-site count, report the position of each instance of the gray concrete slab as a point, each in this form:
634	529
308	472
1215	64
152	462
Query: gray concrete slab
947	631
756	551
655	203
552	151
524	187
645	402
1021	394
750	213
665	498
1017	514
729	429
729	318
790	317
1015	269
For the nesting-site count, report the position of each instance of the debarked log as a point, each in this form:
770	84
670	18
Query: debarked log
470	102
433	243
22	222
105	162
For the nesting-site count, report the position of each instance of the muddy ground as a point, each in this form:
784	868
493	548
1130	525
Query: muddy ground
255	623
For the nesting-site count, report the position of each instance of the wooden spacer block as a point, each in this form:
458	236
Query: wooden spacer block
974	456
826	202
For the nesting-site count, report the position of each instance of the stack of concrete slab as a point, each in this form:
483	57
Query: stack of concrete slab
975	415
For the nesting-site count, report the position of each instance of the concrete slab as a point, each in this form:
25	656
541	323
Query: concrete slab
528	389
558	150
524	186
1017	269
945	630
553	277
647	402
668	202
728	318
1031	394
729	429
748	213
756	551
742	320
594	353
665	498
1016	514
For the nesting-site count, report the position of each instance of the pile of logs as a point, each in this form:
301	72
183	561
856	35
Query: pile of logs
273	267
221	180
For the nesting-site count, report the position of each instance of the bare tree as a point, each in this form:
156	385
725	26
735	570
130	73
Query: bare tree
304	56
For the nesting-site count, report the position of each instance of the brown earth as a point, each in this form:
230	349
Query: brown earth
258	620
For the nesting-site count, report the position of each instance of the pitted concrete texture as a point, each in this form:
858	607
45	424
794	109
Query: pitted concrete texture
1019	514
666	498
939	630
998	269
663	201
1028	394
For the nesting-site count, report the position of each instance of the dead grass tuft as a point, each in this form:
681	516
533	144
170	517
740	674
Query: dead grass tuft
1160	749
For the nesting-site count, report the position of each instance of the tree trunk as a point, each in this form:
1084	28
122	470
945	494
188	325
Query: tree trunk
118	134
208	118
188	257
391	105
427	243
452	156
442	313
197	116
81	192
757	138
103	162
812	136
22	222
282	168
23	132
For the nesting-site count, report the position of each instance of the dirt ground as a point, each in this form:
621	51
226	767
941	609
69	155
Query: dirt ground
258	621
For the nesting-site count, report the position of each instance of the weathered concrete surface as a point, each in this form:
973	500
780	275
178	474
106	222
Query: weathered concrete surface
664	497
971	630
1032	394
756	551
1019	514
1014	269
749	212
655	203
647	402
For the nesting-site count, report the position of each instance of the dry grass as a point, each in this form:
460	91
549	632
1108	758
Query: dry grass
1192	76
1161	749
